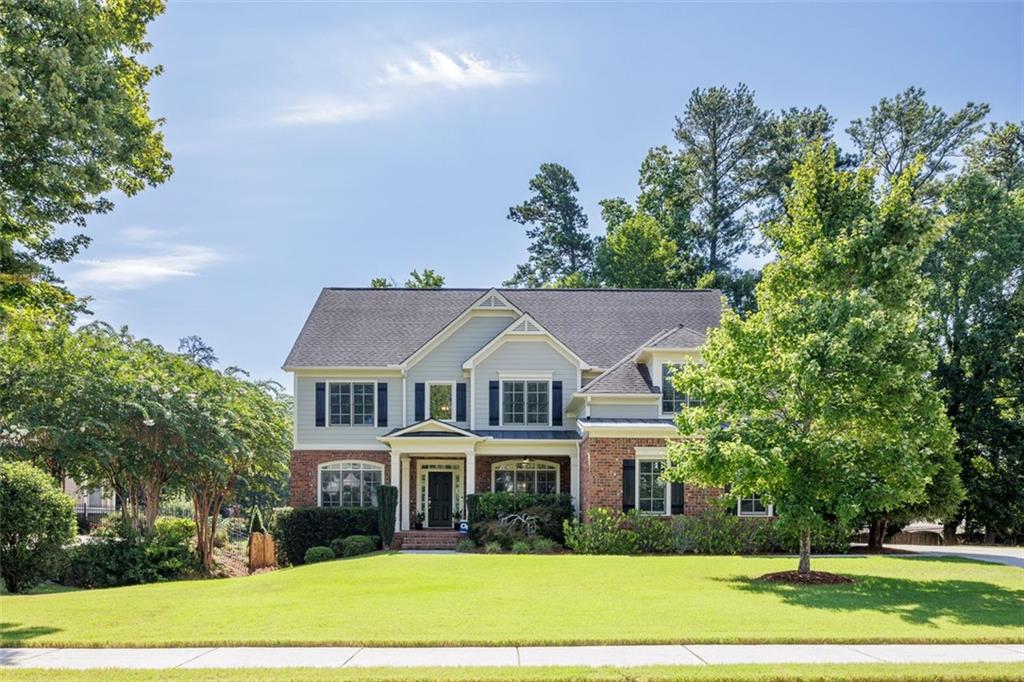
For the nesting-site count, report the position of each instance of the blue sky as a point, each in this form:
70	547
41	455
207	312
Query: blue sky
323	144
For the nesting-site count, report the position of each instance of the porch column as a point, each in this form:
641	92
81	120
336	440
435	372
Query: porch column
470	472
404	495
395	481
574	480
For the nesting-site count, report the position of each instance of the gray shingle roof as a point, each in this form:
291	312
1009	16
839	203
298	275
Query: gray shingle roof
626	376
379	327
681	337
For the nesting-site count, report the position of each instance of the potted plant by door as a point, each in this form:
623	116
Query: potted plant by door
419	520
456	516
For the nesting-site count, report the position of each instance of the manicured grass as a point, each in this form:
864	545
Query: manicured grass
723	673
407	599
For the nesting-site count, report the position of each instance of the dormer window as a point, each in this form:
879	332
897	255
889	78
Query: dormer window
672	401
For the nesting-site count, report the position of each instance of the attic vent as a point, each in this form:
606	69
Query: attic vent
493	301
527	327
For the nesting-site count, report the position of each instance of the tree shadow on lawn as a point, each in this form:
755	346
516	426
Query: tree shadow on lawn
12	632
921	602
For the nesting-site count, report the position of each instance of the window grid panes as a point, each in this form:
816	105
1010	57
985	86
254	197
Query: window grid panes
525	402
538	478
350	404
671	400
441	401
753	506
651	489
350	484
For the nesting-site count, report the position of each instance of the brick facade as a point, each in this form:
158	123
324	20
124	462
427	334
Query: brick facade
601	475
304	464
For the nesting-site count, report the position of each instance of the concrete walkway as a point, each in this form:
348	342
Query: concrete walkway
589	656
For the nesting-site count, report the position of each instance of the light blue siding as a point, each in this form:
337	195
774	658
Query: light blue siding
310	435
524	356
444	363
626	410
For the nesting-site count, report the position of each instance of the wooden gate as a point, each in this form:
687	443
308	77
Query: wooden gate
261	551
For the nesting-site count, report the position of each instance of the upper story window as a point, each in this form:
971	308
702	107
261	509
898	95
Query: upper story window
752	505
441	398
525	476
349	484
526	402
350	404
673	401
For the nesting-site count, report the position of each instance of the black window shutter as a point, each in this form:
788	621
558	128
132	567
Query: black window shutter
382	403
628	484
493	388
677	498
460	402
556	403
421	397
321	403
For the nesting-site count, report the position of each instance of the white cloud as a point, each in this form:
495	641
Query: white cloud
460	71
330	110
164	262
399	87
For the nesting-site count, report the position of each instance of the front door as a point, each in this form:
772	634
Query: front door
439	494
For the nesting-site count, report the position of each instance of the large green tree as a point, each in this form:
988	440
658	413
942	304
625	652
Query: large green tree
560	245
976	306
899	130
819	401
637	253
75	125
428	279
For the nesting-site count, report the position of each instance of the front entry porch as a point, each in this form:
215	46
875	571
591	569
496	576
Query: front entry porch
436	465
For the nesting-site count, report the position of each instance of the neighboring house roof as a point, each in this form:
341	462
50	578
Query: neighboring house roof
382	327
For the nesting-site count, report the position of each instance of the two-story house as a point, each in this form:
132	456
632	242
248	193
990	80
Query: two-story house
447	392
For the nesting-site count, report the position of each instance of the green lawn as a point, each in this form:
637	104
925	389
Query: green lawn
462	599
721	673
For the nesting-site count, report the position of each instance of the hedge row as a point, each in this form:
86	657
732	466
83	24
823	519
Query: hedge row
296	530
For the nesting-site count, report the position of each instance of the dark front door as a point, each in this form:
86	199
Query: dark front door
439	491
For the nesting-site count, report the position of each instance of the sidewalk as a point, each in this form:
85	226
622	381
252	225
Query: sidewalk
594	656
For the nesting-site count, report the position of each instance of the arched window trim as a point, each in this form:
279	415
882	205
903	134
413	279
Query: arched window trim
510	465
340	463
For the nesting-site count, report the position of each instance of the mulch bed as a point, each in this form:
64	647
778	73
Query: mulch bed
812	578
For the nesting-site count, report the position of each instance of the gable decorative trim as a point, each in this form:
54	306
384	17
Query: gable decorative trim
525	328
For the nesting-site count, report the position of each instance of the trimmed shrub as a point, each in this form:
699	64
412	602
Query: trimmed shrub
296	530
716	532
354	545
465	545
493	548
653	533
170	552
520	547
606	532
544	546
37	521
387	501
315	555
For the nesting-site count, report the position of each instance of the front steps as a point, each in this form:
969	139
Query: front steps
427	539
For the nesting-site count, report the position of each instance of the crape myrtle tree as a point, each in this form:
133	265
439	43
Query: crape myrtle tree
76	125
820	400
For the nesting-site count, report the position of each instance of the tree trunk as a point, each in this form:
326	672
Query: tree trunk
949	533
990	536
152	492
876	534
805	552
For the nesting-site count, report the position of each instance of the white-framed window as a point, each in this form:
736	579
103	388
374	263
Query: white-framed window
441	401
752	505
525	476
673	401
652	493
351	403
526	402
350	483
